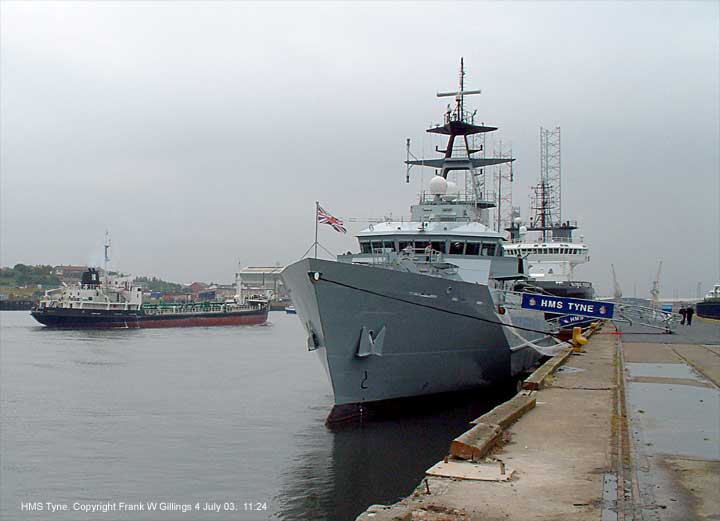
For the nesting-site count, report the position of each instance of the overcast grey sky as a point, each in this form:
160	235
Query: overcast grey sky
201	134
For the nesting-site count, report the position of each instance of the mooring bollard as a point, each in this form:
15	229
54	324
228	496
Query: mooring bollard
578	340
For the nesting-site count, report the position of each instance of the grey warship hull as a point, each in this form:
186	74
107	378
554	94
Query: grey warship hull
383	334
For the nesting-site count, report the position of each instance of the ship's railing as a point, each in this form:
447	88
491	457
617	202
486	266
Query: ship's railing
550	241
195	307
653	318
624	313
76	303
409	259
378	256
457	198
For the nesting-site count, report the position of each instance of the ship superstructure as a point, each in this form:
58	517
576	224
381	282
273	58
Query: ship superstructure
420	309
547	243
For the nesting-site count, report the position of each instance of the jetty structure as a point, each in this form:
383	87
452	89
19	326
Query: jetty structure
427	305
628	428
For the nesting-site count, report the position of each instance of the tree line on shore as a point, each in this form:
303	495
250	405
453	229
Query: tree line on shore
23	281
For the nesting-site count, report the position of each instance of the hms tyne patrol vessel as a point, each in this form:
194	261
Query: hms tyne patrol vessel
421	309
115	302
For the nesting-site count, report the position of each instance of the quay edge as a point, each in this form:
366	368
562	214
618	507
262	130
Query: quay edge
586	451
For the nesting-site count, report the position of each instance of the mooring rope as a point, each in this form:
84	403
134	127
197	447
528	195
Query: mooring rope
428	306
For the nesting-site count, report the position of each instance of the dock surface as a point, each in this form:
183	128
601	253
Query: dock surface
627	430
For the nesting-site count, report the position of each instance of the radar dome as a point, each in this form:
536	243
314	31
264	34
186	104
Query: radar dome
452	191
438	185
523	229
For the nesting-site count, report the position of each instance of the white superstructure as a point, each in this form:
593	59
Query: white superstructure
445	240
94	293
550	260
714	293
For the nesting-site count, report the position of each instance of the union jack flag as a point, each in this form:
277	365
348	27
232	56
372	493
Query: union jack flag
325	218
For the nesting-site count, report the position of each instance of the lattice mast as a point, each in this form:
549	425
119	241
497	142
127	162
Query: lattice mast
547	195
463	143
502	181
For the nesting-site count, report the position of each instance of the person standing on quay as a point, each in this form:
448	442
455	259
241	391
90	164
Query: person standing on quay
689	312
683	314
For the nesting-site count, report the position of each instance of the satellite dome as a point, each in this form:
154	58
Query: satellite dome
523	229
452	191
438	185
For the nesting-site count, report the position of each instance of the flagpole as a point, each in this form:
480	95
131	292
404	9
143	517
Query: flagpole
317	206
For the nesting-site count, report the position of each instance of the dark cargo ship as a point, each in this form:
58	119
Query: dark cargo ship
114	302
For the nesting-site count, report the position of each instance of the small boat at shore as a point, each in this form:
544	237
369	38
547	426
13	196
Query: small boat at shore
290	310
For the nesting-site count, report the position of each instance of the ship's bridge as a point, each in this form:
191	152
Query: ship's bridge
569	251
553	260
471	239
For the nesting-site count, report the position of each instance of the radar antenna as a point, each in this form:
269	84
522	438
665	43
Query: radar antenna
459	113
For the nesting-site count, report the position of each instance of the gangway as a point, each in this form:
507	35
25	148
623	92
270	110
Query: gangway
639	315
623	313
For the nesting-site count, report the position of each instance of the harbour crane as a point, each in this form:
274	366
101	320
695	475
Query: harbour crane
617	292
655	291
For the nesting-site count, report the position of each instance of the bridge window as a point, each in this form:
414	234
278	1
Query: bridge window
472	248
376	246
389	245
404	244
488	249
438	246
457	248
420	245
364	247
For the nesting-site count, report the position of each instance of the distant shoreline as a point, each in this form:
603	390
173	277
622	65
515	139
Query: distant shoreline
17	305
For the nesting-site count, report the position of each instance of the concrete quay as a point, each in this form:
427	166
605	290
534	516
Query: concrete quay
627	430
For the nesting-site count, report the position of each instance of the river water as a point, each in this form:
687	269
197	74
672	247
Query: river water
188	416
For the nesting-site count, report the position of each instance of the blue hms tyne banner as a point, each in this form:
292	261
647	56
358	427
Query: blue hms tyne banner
568	306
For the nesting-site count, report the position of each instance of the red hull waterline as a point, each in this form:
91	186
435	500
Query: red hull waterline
241	320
